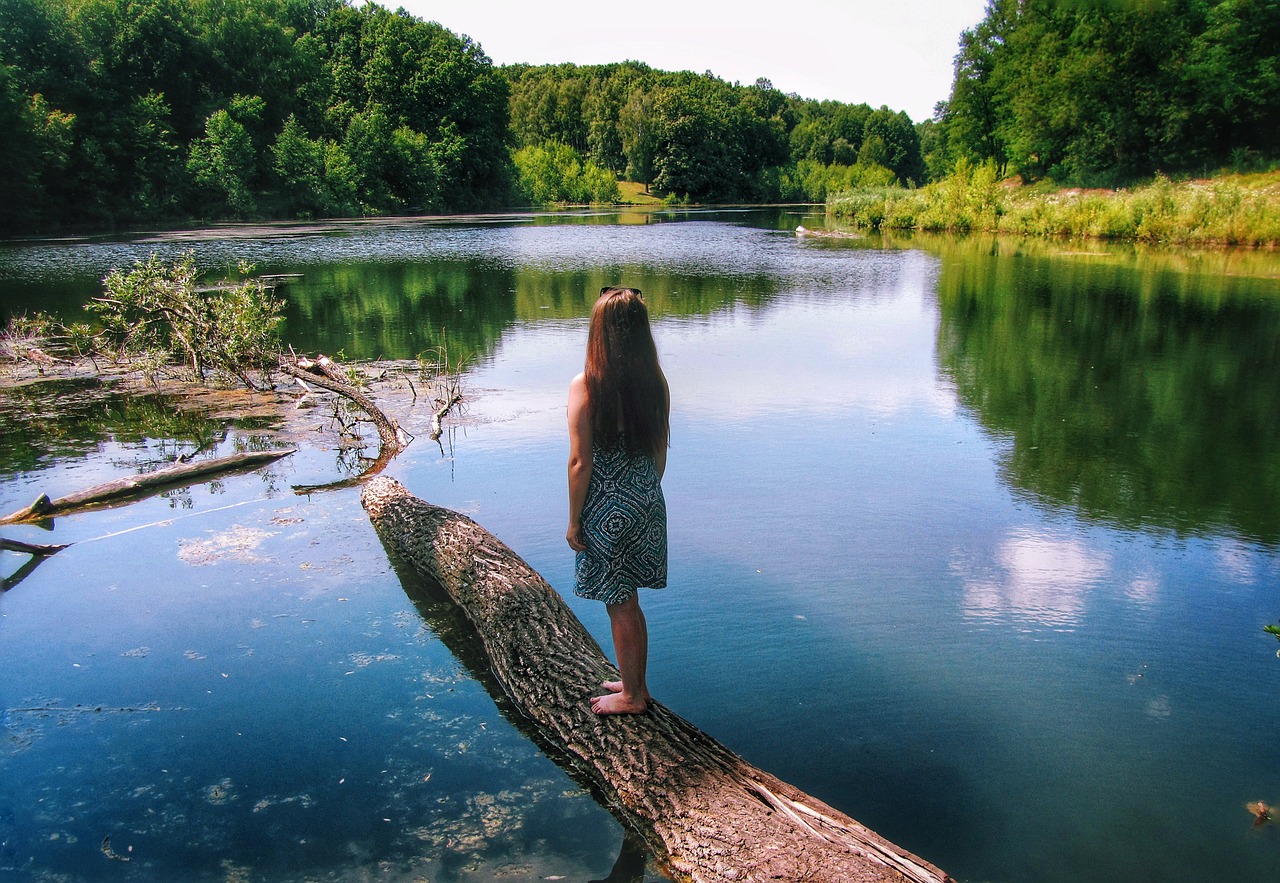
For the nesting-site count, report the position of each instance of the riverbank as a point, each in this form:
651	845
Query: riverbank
1227	210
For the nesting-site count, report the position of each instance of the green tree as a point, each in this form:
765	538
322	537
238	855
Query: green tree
556	173
404	90
157	311
36	140
974	115
1233	72
638	134
155	179
1107	92
224	161
317	176
698	156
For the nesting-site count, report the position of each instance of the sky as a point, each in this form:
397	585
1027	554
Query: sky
897	53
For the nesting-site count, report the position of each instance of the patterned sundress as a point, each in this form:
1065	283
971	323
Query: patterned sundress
624	526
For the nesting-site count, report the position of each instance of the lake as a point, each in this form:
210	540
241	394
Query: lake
973	539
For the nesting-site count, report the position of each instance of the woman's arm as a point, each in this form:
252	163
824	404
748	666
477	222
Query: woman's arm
579	459
660	456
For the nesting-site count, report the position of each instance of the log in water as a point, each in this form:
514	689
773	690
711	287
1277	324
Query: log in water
707	813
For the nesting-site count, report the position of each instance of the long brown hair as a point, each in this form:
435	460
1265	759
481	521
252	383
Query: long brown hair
625	390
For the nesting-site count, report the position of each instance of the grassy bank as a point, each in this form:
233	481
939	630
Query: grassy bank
1240	210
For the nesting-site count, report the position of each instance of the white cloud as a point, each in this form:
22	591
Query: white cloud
1039	579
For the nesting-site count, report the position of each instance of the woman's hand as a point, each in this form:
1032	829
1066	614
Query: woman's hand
574	536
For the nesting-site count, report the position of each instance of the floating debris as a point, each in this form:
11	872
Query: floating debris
304	800
219	793
363	659
1262	813
237	543
111	853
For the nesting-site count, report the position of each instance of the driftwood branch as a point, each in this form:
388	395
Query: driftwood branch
135	485
39	552
29	548
707	814
322	373
439	415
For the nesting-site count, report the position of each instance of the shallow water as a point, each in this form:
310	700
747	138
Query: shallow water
973	540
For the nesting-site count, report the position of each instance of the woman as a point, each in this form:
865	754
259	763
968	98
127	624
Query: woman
619	426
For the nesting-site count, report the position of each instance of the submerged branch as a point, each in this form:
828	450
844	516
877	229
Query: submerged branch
147	482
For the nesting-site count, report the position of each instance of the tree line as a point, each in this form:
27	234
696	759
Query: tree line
1106	92
123	112
117	112
697	137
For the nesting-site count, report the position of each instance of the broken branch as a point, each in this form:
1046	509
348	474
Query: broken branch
134	485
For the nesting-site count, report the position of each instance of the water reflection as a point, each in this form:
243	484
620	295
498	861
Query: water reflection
1036	578
44	422
907	497
633	857
1139	397
402	310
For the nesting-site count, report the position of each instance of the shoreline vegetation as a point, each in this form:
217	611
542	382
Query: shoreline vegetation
168	324
117	115
1234	210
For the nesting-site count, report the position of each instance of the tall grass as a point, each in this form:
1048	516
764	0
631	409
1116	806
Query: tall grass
1226	210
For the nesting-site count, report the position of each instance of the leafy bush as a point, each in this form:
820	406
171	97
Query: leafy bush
552	173
156	312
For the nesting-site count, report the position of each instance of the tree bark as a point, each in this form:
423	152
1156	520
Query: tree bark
133	485
708	815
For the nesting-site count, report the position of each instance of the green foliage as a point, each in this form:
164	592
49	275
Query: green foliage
811	181
1100	94
156	312
131	111
693	137
224	161
36	141
556	173
317	174
1229	210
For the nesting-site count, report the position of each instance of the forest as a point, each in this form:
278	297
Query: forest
124	112
1102	92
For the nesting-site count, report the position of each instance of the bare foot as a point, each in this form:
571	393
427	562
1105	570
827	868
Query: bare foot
616	703
616	687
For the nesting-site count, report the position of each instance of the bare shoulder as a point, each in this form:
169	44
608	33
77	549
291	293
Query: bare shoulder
578	389
578	395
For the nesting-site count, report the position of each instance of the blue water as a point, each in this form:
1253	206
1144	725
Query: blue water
870	596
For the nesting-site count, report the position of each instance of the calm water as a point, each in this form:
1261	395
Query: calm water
973	540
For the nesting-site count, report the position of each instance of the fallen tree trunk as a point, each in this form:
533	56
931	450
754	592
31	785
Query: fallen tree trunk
134	485
707	814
